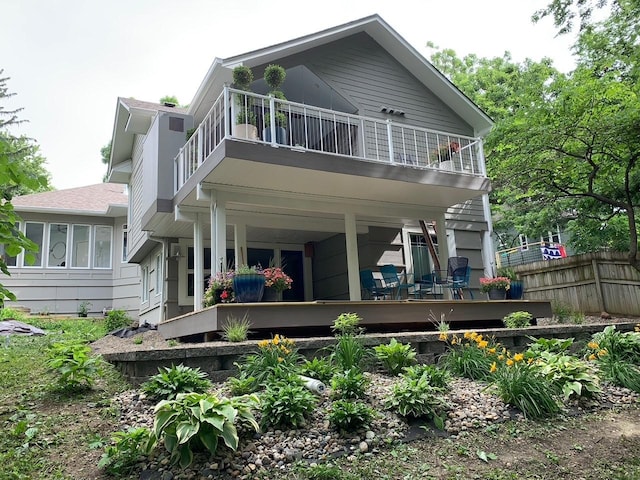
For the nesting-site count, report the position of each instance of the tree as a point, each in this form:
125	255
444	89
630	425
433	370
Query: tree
21	170
105	153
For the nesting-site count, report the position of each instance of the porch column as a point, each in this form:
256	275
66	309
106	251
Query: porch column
443	246
212	241
221	233
488	253
353	264
198	264
240	241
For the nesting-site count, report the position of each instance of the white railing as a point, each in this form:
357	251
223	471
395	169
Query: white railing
307	128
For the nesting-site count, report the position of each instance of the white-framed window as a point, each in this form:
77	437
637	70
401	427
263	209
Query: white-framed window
125	239
159	276
80	246
145	284
524	243
102	246
552	237
58	241
34	231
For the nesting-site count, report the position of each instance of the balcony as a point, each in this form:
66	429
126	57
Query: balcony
318	130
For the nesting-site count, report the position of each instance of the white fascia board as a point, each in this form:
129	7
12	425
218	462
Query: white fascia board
139	120
112	211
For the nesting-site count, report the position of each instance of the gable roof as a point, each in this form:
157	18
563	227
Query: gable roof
220	71
102	199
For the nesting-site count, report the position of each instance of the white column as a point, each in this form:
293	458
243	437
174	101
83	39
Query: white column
215	267
221	233
488	252
198	264
240	241
353	264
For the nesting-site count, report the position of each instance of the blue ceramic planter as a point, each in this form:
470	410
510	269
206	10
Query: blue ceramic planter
248	288
515	292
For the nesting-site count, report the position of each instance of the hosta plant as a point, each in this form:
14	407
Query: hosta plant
242	384
197	421
395	356
617	345
347	416
436	376
319	368
414	397
349	384
74	364
574	377
169	382
126	449
286	403
518	320
553	345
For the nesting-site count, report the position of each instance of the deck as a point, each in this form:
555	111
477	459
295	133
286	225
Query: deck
316	318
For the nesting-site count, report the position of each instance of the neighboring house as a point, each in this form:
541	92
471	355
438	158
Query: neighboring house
518	249
81	234
373	140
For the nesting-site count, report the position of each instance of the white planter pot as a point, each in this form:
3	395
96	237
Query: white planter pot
245	130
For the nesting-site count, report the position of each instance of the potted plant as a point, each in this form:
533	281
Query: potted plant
516	286
495	287
248	284
276	282
274	76
83	309
245	117
220	289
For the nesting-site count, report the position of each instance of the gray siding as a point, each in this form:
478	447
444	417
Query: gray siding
470	211
136	234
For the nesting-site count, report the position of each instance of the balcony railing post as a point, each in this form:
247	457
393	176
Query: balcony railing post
200	152
272	120
227	104
390	140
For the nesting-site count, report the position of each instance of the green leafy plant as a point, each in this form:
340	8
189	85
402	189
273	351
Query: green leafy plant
12	313
242	384
574	377
349	416
116	319
126	450
319	368
347	324
415	398
349	384
76	367
236	329
322	471
553	345
470	357
518	319
349	352
437	377
171	381
275	358
83	308
138	340
563	313
620	372
617	345
395	356
195	421
286	402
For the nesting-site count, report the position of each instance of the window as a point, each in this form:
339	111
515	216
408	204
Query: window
80	246
524	243
125	233
57	245
159	274
145	284
9	260
552	237
422	263
35	232
102	247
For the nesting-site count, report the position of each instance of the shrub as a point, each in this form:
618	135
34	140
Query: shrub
75	365
522	386
275	358
349	416
437	377
116	319
517	320
347	324
395	356
553	345
127	448
319	368
572	376
563	313
349	352
286	402
414	397
12	313
620	372
242	384
169	382
617	345
235	329
194	421
471	356
349	384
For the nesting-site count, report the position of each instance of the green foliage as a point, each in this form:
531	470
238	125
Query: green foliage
195	421
347	324
275	358
618	345
349	416
552	345
286	402
236	329
414	397
469	361
395	356
169	99
620	372
126	450
242	384
525	388
116	319
169	382
518	319
437	377
274	76
563	313
572	376
73	362
349	384
12	313
349	352
319	368
323	472
242	77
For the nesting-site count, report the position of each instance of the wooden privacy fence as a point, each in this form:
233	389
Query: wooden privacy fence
589	283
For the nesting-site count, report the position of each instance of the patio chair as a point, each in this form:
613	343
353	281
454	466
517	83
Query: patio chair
373	286
425	286
392	280
455	277
460	279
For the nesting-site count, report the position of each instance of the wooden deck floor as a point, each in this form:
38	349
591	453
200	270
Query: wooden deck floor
312	318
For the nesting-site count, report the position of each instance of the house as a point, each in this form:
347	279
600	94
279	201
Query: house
370	140
514	249
81	234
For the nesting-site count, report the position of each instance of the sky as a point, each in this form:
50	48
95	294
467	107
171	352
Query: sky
69	60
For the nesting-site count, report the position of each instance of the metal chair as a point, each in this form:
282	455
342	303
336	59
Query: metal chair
460	279
373	286
425	286
392	280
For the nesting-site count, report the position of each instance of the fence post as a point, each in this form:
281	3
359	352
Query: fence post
598	284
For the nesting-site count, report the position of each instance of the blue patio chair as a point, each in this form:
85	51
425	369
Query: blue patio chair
425	286
391	279
373	286
460	279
